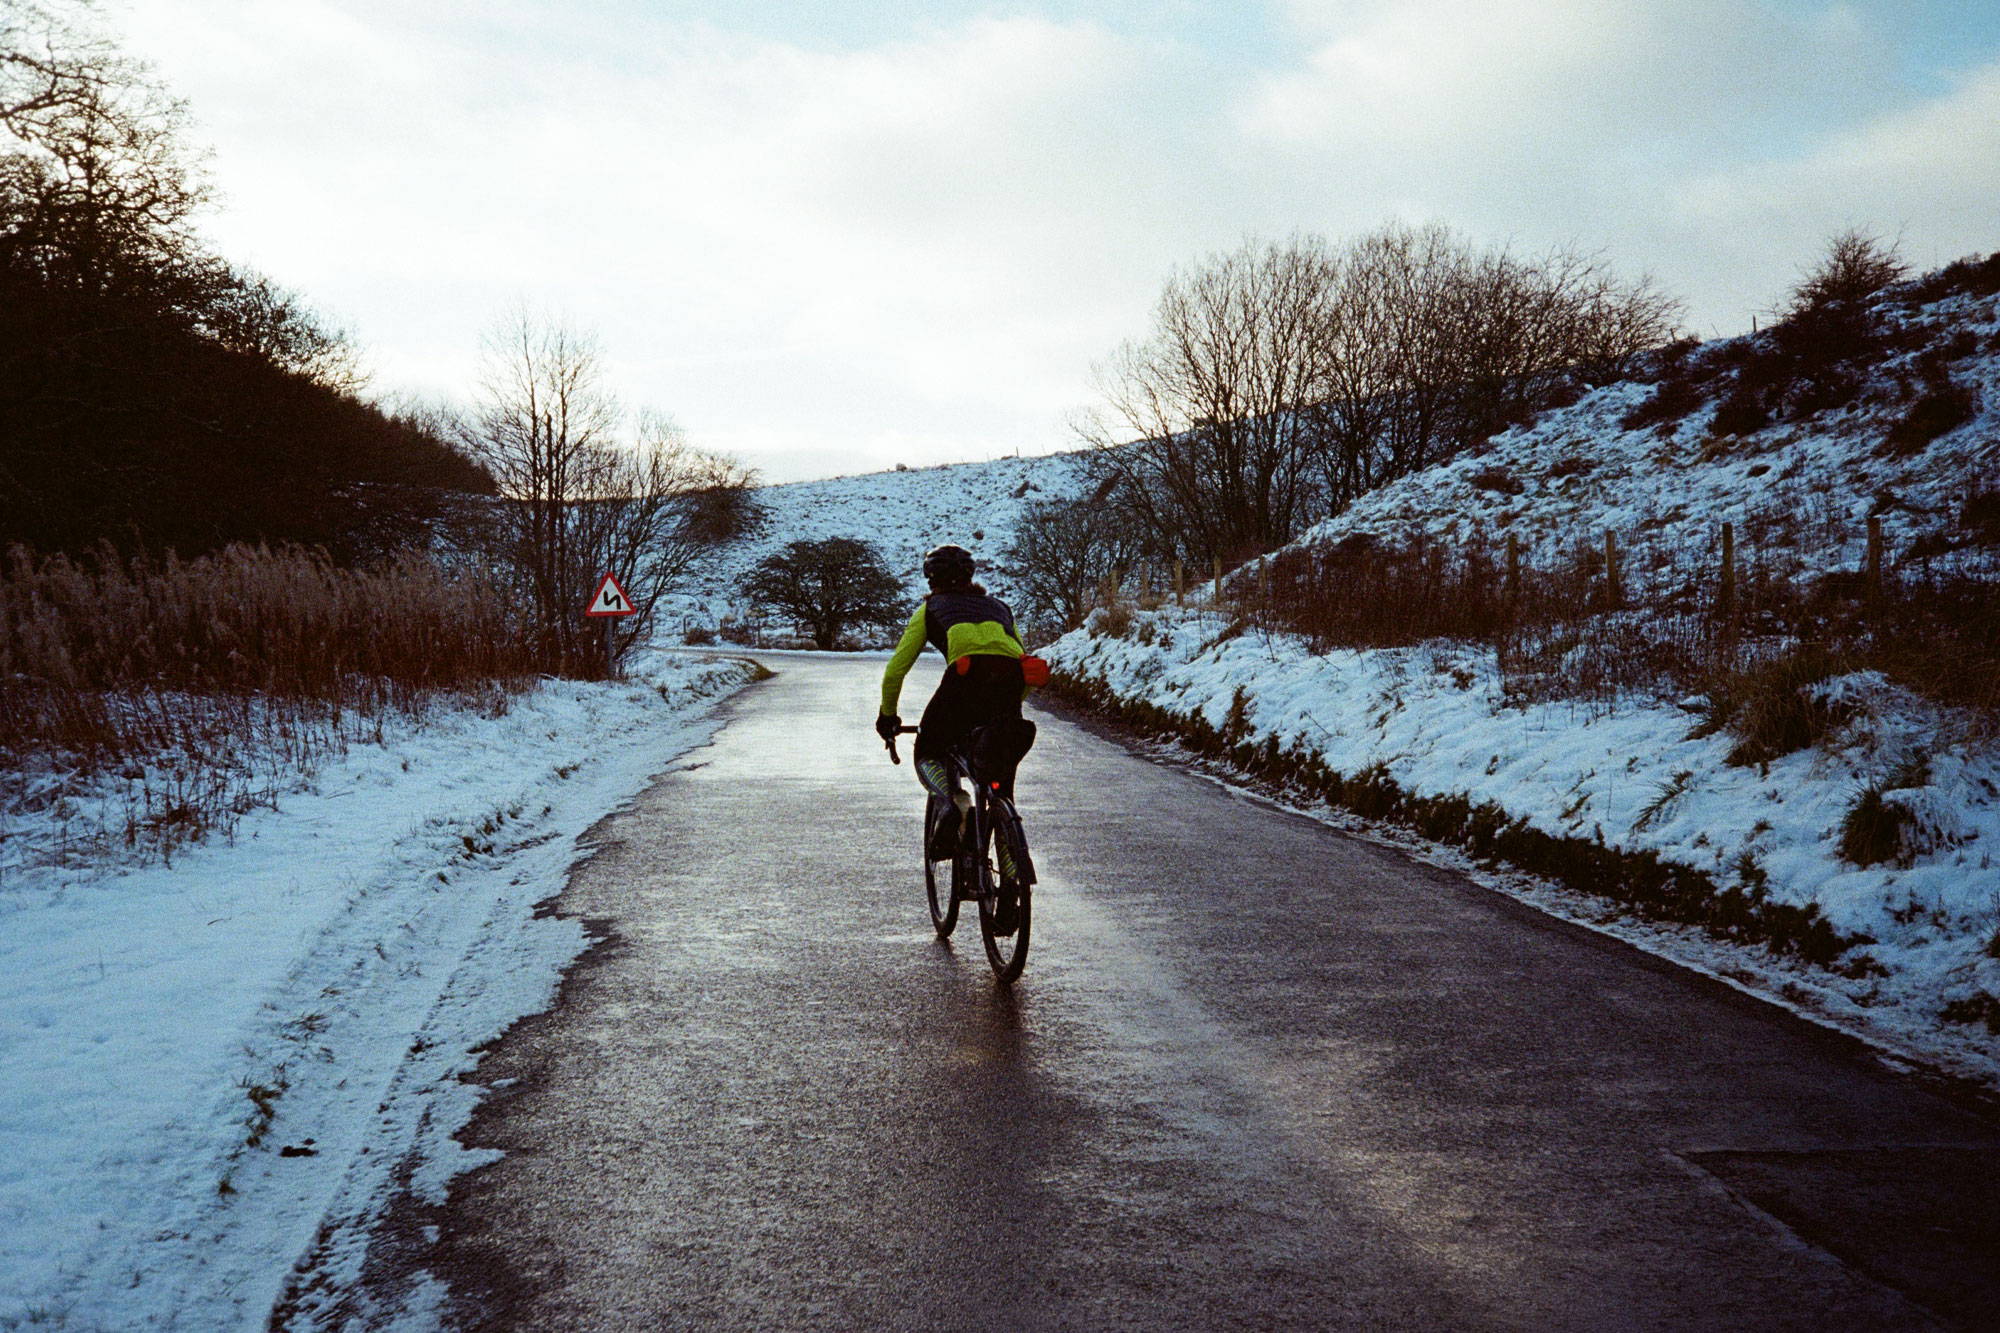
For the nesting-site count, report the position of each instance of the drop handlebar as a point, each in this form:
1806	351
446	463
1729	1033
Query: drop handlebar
890	741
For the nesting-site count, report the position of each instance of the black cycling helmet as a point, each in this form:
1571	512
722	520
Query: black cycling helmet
948	564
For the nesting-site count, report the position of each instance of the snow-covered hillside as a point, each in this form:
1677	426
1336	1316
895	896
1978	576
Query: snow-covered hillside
1914	935
903	513
1796	491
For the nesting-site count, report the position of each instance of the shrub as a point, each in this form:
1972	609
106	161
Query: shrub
1979	1007
1741	413
698	636
1113	620
727	510
1643	882
1678	395
1981	515
1972	277
197	681
1236	723
1945	406
1497	479
1363	593
1874	828
1937	635
1774	708
1854	267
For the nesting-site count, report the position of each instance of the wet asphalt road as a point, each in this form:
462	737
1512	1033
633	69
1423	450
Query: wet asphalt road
1256	1075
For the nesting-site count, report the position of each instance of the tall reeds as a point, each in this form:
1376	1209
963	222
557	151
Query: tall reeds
193	687
1684	614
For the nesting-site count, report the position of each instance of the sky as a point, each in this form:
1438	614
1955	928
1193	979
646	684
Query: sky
833	237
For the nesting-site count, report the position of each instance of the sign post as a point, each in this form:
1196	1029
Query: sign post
610	605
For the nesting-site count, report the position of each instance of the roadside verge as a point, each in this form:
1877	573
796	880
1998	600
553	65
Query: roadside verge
1615	817
205	1061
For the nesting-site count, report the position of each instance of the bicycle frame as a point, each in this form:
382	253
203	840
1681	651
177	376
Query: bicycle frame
972	876
961	768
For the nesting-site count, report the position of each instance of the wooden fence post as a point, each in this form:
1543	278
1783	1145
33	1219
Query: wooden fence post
1874	566
1180	583
1264	581
1216	601
1513	568
1725	593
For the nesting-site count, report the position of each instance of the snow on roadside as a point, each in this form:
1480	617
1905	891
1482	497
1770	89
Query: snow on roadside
1434	718
199	1063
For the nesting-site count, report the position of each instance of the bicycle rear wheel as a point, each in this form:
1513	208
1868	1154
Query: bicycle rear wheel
1006	901
940	877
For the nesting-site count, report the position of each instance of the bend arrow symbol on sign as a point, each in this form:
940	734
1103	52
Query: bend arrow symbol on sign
610	600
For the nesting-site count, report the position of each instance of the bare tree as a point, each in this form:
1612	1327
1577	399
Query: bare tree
829	587
1212	412
1438	345
1393	335
1061	554
50	57
1531	326
98	184
1281	381
1855	265
580	500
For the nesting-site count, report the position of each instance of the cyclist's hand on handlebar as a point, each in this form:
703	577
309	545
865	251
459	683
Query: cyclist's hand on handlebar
886	727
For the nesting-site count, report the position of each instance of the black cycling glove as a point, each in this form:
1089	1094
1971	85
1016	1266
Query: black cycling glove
887	725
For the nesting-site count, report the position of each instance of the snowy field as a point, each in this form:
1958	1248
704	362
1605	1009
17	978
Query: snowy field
199	1064
904	514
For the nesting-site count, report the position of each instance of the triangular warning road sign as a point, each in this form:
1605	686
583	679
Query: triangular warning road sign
610	600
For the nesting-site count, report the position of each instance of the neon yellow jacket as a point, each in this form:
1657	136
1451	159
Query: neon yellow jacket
957	624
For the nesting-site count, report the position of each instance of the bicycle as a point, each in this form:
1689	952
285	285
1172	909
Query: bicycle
1004	893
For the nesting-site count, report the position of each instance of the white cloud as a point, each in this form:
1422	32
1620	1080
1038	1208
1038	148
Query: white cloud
1929	174
914	251
931	236
1703	140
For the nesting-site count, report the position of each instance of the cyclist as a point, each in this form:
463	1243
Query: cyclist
982	683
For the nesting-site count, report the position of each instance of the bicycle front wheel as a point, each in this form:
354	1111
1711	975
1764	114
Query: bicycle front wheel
940	877
1006	902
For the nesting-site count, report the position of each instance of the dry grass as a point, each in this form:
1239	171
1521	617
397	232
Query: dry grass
1560	630
194	688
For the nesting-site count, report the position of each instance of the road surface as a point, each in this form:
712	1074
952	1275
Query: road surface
1257	1075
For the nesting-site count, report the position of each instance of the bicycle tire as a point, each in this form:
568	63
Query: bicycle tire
1007	953
940	879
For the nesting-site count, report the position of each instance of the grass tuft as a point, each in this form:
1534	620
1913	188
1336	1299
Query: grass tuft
1875	830
1776	708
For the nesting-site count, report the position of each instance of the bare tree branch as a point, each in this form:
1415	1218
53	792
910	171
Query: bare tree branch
580	499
